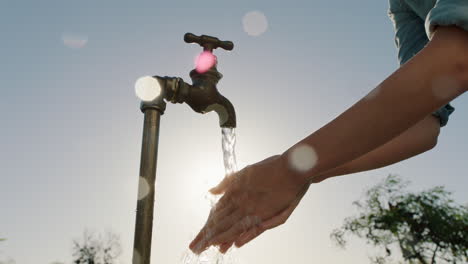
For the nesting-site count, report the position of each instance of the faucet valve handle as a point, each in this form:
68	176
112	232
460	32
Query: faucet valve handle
207	42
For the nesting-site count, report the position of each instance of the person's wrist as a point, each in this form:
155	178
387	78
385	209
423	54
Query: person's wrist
299	177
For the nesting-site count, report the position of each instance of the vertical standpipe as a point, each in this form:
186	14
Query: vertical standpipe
199	98
145	205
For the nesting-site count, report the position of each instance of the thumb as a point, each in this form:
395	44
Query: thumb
222	186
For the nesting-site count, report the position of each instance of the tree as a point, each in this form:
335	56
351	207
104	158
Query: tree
96	250
425	227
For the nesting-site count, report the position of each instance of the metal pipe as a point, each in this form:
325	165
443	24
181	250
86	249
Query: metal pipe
145	205
202	97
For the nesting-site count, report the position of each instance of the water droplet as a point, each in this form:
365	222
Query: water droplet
255	23
143	188
147	88
303	158
443	87
204	61
74	41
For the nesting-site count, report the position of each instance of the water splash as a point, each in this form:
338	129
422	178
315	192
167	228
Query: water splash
212	255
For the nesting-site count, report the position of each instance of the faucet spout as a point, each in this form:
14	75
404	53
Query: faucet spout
204	97
225	110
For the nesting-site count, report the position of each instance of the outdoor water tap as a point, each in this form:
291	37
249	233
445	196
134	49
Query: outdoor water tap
203	95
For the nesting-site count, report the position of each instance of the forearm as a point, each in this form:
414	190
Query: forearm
398	103
414	141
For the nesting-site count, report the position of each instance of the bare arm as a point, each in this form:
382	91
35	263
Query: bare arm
414	141
434	77
263	195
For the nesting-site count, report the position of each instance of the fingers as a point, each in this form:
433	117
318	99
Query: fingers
218	213
265	225
225	247
209	233
248	236
198	244
224	225
240	227
229	225
227	181
224	232
222	186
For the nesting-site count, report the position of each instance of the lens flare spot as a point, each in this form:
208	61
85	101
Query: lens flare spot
444	87
143	188
147	88
255	23
74	41
303	158
204	61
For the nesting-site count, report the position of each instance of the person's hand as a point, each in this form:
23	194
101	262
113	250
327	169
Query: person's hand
257	198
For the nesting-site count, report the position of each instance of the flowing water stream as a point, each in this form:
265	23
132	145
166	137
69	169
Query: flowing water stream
212	255
229	155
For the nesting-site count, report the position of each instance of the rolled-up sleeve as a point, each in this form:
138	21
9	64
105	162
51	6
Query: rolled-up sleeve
411	37
447	13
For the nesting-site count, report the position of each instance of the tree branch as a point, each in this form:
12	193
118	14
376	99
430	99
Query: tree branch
434	255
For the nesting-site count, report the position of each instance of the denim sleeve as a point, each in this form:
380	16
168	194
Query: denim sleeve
410	35
447	13
410	38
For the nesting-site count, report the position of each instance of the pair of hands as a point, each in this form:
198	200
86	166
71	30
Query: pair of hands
259	197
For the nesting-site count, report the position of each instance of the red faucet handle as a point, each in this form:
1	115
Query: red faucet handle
207	42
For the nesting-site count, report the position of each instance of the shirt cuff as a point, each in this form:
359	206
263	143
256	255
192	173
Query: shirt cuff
447	13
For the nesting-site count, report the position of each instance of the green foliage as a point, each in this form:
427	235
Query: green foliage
96	250
427	227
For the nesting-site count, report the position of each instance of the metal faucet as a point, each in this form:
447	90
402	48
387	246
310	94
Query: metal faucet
203	97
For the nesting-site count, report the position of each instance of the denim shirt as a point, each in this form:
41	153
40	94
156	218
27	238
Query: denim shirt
415	22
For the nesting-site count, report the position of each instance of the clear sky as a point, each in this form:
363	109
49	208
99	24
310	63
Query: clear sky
71	127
